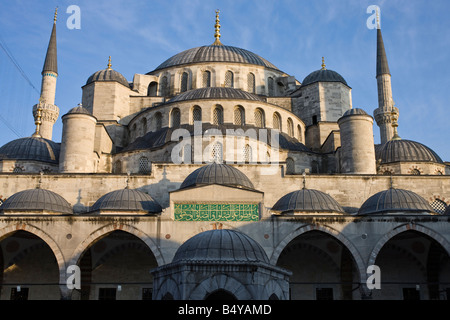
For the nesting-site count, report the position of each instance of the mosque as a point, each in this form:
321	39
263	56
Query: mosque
219	176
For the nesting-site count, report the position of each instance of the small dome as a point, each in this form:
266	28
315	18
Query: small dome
405	151
216	173
108	74
79	110
214	53
126	200
221	245
354	111
36	200
395	200
307	200
215	93
323	75
31	148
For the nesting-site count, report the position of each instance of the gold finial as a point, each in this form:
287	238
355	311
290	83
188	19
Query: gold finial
109	62
217	33
394	118
323	64
56	14
38	122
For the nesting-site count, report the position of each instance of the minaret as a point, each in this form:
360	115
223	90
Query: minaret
385	102
49	111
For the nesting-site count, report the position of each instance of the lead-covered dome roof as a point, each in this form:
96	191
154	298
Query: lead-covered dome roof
215	93
128	200
31	148
323	75
36	200
217	173
395	201
307	201
215	53
106	75
405	151
222	245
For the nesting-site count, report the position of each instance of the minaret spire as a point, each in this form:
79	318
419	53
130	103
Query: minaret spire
46	112
383	114
217	28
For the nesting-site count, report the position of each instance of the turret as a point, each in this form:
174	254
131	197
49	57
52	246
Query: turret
357	153
49	111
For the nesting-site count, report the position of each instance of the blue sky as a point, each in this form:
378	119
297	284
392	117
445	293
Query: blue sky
292	34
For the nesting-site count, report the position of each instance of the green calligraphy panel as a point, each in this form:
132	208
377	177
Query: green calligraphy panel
216	212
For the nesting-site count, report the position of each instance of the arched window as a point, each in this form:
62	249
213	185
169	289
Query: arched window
218	115
144	125
415	172
175	118
217	152
158	121
206	79
17	169
152	90
270	86
299	133
229	79
439	206
164	87
290	127
247	152
196	114
184	82
239	116
259	118
144	165
251	83
290	167
276	121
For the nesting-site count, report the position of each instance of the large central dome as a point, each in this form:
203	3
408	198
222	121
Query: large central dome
215	53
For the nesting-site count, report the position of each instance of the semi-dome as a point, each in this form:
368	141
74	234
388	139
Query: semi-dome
126	200
215	53
31	148
405	151
221	245
79	110
36	200
217	173
215	93
323	75
307	201
394	201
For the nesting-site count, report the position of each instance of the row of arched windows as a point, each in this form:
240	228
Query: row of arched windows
206	83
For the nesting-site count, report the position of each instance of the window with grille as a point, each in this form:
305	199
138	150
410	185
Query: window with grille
218	115
164	87
216	152
144	165
17	170
184	82
206	80
247	153
259	118
21	294
251	83
439	206
107	294
196	114
239	116
415	172
276	121
229	79
290	166
175	118
270	86
290	127
158	121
